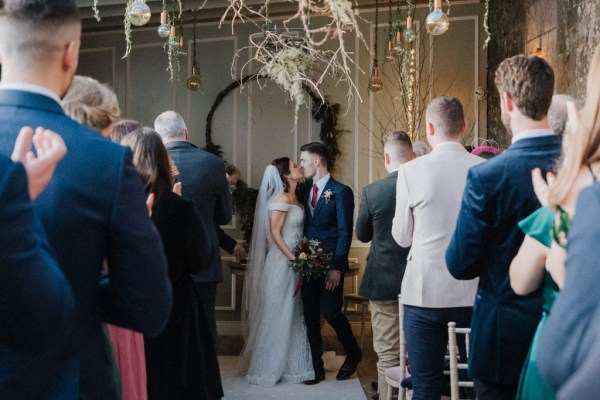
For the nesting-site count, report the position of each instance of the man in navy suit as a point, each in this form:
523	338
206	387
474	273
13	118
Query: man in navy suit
498	194
329	208
37	302
93	209
569	346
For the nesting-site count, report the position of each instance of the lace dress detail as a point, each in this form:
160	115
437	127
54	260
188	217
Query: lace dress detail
281	352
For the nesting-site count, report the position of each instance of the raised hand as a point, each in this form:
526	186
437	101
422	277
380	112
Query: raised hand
50	150
540	186
177	188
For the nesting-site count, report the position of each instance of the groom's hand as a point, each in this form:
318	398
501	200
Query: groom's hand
332	280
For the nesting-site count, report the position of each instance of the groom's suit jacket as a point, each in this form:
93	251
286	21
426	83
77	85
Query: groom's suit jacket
94	209
331	222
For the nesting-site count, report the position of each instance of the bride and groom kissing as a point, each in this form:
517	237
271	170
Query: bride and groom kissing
283	332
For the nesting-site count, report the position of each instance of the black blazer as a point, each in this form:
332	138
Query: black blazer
499	194
386	261
203	181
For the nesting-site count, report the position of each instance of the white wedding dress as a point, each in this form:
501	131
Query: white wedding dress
281	351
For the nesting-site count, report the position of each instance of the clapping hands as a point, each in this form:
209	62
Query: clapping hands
540	186
50	149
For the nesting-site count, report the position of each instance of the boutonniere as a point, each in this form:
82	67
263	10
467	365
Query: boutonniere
328	196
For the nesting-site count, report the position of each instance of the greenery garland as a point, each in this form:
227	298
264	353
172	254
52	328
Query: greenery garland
244	197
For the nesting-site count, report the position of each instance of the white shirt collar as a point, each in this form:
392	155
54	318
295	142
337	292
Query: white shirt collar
394	170
534	133
31	88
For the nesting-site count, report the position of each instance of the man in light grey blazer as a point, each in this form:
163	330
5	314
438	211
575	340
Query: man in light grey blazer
428	195
202	176
386	261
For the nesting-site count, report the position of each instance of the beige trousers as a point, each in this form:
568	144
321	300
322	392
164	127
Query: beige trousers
386	338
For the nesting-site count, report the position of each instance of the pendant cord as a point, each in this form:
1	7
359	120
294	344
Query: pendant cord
376	25
194	50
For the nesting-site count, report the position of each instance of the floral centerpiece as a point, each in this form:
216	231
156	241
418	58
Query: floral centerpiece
311	261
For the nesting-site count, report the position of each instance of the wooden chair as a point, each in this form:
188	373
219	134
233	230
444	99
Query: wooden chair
455	365
395	375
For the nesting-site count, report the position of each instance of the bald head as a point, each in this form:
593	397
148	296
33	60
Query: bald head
170	126
397	150
557	114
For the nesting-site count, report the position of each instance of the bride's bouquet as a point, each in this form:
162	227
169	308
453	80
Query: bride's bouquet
311	261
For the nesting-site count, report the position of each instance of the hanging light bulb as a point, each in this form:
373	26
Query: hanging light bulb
173	36
375	83
139	13
399	44
163	28
194	83
181	42
390	56
409	33
437	22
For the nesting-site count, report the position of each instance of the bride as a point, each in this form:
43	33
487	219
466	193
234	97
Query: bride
277	348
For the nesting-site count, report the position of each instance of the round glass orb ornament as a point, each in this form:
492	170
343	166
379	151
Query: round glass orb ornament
437	22
164	31
194	83
375	83
398	48
139	13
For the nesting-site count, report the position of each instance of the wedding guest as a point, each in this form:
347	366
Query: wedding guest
386	261
486	152
92	210
227	243
181	359
428	194
122	128
558	114
209	191
95	105
91	103
37	308
581	168
420	148
573	328
498	194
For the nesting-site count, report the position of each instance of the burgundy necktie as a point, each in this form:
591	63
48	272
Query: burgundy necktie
313	202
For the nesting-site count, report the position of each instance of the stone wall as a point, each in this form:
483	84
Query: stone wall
567	31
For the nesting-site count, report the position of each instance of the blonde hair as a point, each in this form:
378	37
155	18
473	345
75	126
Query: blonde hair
91	103
584	145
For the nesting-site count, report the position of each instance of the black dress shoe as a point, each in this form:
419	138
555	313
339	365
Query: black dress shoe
349	367
319	376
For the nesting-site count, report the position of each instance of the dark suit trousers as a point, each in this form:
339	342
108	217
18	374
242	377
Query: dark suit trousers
207	299
426	331
494	391
316	299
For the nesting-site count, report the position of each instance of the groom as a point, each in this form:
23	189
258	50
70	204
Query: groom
329	208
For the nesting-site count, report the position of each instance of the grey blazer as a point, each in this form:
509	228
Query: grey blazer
386	261
202	177
428	197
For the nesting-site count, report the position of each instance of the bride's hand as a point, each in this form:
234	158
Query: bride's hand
332	280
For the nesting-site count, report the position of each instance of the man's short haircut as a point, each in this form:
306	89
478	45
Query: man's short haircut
447	115
420	148
318	149
557	113
34	30
170	124
398	145
529	80
231	169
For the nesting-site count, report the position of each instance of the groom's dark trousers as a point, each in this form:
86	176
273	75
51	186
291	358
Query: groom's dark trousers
331	224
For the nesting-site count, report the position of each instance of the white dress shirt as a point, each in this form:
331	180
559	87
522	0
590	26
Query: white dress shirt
31	88
534	133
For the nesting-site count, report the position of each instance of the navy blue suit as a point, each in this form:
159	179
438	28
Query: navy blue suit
36	310
569	346
92	210
331	224
499	193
